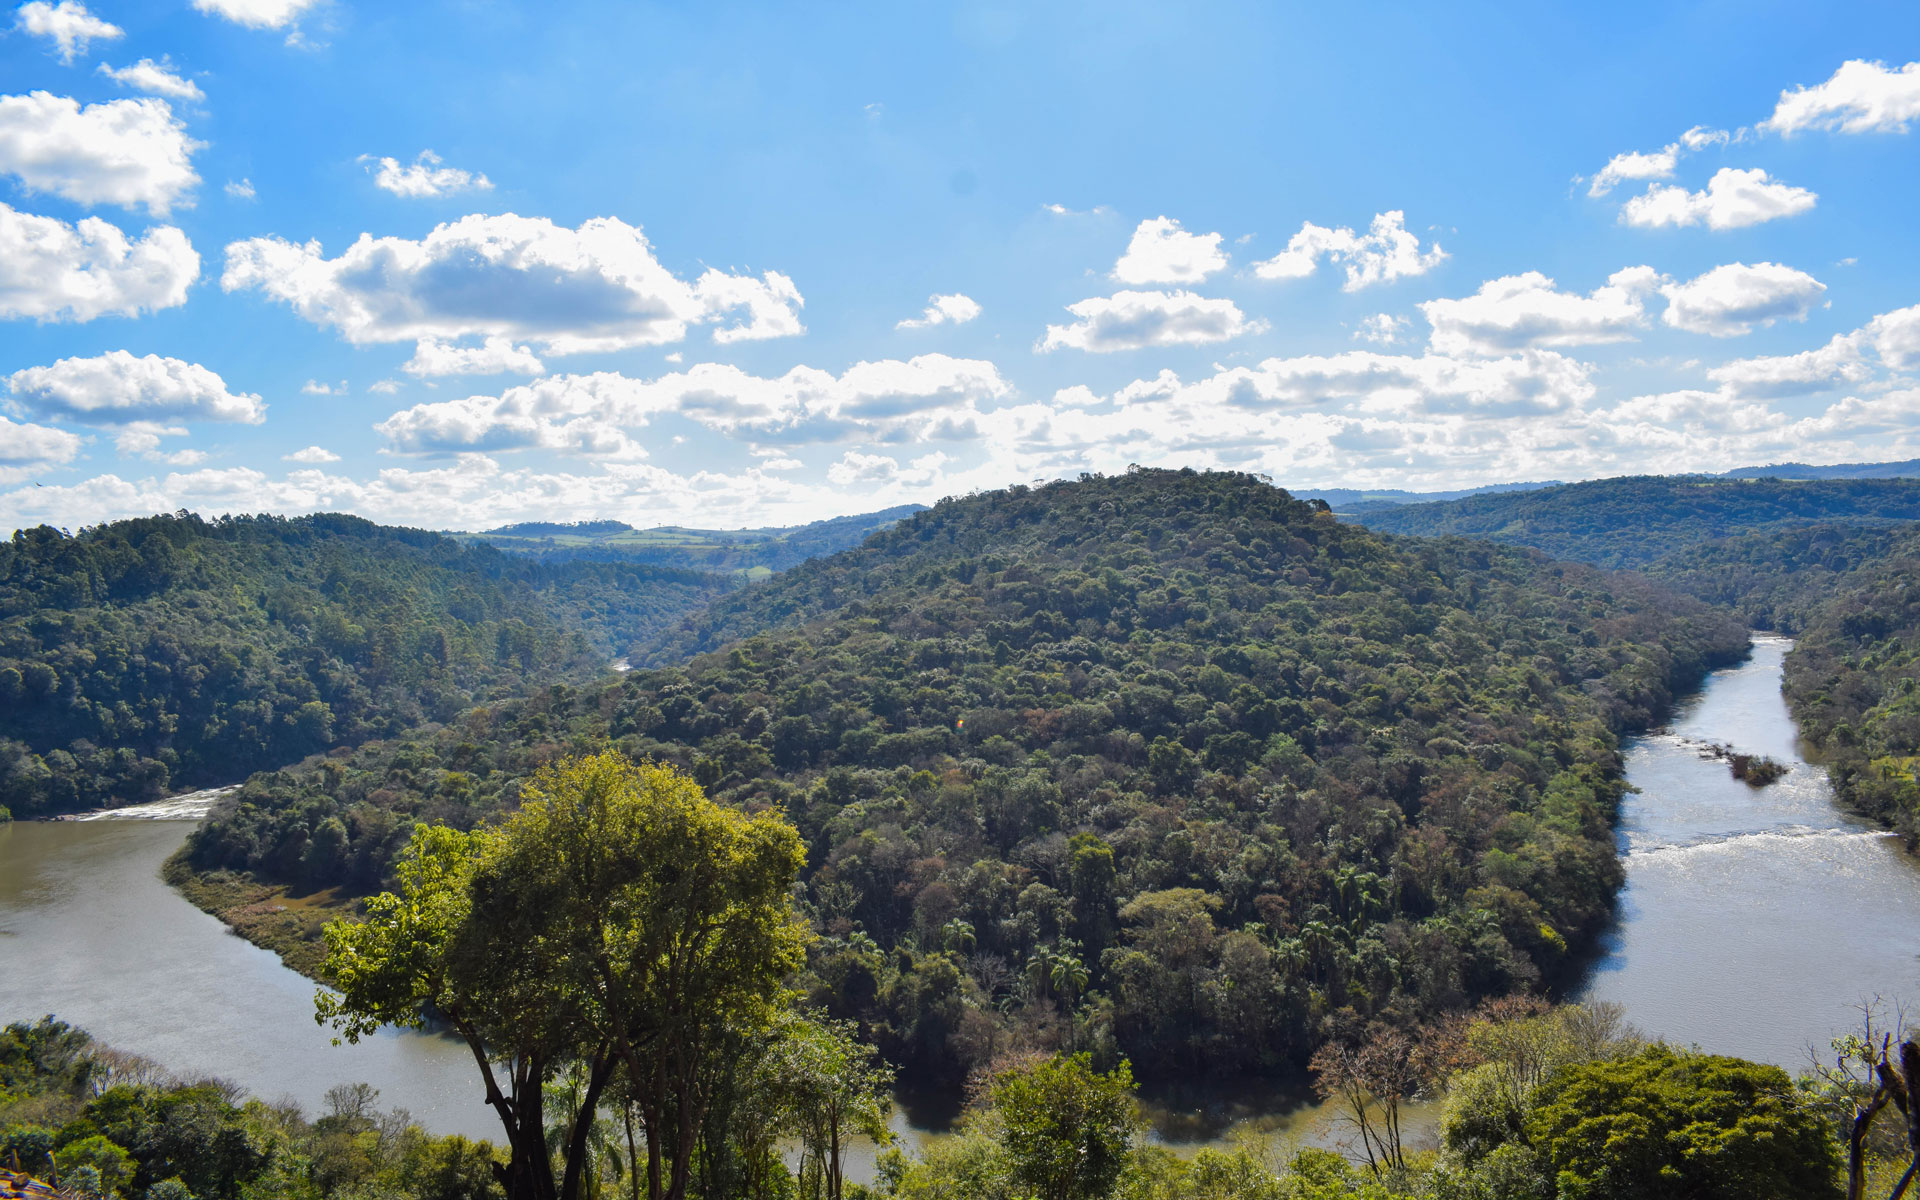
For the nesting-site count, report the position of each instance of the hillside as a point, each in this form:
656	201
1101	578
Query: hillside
756	552
168	652
1631	522
1169	763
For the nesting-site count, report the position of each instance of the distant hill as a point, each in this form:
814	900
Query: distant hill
170	651
1353	501
755	552
1909	469
1636	520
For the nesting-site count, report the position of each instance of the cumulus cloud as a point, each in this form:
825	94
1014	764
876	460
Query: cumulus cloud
53	271
240	189
1839	363
1162	252
313	387
1386	252
257	14
595	288
955	309
1518	312
124	152
1737	298
1862	97
1733	199
1133	320
311	454
1895	337
68	25
425	176
1382	329
495	356
155	78
116	388
1634	165
926	398
24	447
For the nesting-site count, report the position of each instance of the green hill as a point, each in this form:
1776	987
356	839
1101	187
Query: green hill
168	652
1633	521
1170	762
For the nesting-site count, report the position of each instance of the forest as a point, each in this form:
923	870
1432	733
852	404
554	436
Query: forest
1834	563
148	656
755	551
1169	766
616	952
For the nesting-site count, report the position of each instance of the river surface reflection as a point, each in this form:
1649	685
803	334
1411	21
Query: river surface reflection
88	932
1751	923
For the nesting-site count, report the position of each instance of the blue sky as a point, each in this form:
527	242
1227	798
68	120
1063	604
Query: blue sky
455	264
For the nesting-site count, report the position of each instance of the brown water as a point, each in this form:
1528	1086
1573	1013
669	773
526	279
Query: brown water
90	934
1751	923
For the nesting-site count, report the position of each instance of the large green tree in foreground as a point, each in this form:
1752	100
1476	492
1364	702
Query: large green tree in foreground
619	921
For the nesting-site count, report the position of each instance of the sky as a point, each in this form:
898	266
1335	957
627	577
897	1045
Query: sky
457	264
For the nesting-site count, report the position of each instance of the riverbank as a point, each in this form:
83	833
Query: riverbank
268	915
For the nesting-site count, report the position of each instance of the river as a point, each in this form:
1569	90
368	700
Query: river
1751	923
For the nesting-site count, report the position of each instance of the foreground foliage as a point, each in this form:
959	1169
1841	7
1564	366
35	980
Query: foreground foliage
110	1125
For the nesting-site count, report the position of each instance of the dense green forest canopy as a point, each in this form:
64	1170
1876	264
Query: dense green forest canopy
1635	521
750	550
1168	764
147	655
1837	564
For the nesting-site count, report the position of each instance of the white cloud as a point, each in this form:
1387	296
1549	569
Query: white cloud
155	78
1518	312
1736	298
1131	320
856	468
1836	364
495	356
954	309
25	447
1896	337
1162	252
240	189
124	152
425	177
53	271
257	14
1384	253
116	388
313	387
1700	137
930	397
312	454
68	24
1733	199
1862	97
384	387
1382	329
595	288
1634	165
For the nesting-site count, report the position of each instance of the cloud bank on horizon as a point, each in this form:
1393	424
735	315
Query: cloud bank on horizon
639	264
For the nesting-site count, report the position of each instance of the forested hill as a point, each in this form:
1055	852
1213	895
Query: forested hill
1168	763
169	651
1633	521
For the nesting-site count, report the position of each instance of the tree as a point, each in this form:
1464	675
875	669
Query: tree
834	1090
1067	1127
1666	1122
618	919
